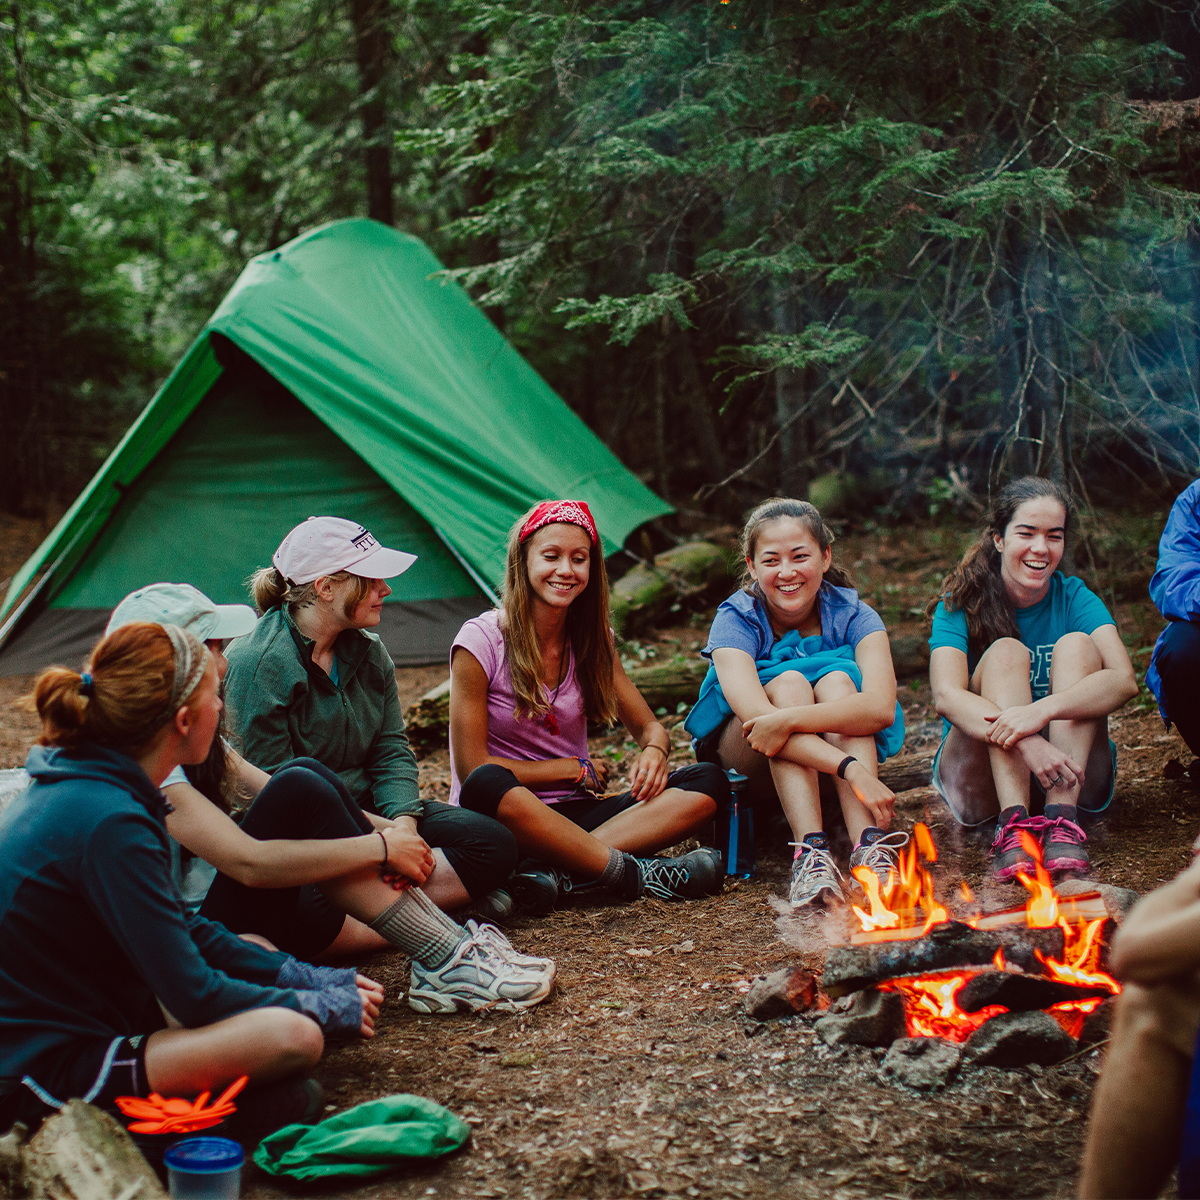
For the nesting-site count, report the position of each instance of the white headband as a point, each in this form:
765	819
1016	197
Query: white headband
189	665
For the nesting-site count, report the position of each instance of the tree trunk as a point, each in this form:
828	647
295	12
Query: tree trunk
787	400
373	52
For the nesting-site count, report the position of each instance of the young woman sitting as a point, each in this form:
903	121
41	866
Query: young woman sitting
1026	667
310	683
801	686
95	946
525	682
306	869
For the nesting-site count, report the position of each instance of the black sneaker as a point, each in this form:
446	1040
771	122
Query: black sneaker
262	1110
496	907
534	889
692	875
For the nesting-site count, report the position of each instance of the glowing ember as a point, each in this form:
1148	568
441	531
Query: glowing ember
905	907
930	1007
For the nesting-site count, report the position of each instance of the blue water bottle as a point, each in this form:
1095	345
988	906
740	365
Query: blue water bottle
735	830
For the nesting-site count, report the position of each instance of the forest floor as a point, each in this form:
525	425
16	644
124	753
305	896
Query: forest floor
642	1075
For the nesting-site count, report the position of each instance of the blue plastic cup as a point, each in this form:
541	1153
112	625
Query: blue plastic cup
204	1168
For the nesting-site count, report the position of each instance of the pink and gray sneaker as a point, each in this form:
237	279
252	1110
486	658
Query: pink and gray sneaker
1062	840
1009	857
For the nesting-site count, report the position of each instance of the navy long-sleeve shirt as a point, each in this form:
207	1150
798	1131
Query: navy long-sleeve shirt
92	929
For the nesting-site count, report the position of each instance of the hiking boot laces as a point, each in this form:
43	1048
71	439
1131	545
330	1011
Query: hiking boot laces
881	855
814	872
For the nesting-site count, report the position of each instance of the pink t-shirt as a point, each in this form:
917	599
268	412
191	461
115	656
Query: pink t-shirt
522	738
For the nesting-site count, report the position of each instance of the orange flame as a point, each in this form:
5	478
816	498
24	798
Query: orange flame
906	903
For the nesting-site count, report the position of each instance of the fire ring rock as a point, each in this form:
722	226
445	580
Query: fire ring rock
873	1018
783	992
1018	1039
922	1063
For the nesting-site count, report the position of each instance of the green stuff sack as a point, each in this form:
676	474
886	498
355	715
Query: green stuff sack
366	1140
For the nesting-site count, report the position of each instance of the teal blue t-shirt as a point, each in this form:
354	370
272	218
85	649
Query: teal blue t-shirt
1068	607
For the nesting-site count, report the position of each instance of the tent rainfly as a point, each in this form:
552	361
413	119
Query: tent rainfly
339	377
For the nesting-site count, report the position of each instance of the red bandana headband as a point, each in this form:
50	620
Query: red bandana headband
560	512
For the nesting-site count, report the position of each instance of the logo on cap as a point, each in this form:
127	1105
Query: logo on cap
365	541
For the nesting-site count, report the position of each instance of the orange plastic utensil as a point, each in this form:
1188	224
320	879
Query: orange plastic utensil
174	1114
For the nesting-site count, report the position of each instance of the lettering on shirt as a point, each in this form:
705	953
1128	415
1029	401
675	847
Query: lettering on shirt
1039	670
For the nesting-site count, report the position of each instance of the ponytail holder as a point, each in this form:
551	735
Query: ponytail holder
85	684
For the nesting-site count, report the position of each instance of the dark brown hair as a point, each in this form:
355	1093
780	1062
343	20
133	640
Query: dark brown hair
128	700
975	586
775	509
589	630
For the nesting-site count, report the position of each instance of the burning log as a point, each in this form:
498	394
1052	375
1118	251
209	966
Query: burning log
946	947
1021	993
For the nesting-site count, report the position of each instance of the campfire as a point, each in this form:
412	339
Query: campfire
957	971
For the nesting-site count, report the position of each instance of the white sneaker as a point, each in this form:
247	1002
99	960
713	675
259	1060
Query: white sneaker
499	941
477	975
815	873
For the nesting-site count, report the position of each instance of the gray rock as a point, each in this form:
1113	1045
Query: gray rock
1097	1026
873	1018
1017	1039
781	993
922	1063
1117	900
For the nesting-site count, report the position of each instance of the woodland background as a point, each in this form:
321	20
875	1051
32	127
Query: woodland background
890	251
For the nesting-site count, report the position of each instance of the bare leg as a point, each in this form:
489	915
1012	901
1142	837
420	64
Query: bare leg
264	1043
546	835
443	886
1075	657
796	786
835	686
1137	1113
977	778
653	824
355	939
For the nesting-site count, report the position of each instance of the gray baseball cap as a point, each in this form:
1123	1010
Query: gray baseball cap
183	605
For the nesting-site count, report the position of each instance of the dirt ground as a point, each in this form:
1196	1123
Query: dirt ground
642	1075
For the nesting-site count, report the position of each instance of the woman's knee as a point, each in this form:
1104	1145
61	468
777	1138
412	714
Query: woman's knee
295	1041
1006	654
705	779
789	688
482	852
1076	652
485	787
834	686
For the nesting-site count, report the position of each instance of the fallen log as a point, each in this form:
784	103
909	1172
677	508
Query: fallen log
81	1153
910	655
1020	993
907	771
687	575
946	947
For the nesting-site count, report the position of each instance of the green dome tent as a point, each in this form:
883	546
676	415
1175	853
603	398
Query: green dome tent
337	377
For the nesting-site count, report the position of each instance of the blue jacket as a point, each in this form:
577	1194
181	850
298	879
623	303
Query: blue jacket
92	929
1175	585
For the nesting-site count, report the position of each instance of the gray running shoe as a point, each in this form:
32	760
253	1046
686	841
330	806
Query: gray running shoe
814	874
881	856
477	975
497	939
688	877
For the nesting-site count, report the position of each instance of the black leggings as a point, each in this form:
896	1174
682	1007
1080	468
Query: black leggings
305	800
1178	663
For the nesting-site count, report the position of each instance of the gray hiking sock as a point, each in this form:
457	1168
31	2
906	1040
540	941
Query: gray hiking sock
614	871
417	926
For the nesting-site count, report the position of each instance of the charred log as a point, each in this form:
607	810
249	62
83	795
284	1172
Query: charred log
1020	993
852	968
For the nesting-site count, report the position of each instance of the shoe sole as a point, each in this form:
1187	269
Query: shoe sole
819	900
1068	864
443	1004
1007	874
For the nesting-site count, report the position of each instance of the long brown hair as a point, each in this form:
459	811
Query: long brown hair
589	631
127	698
975	586
809	516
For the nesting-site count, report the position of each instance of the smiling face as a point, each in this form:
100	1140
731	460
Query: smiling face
788	565
1031	549
370	608
558	561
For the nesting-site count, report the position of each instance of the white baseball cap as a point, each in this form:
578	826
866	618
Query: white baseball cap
183	605
327	545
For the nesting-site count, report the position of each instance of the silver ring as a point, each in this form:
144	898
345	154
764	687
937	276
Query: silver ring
1056	781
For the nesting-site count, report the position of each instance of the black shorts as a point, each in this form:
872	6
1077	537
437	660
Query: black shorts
590	813
96	1071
